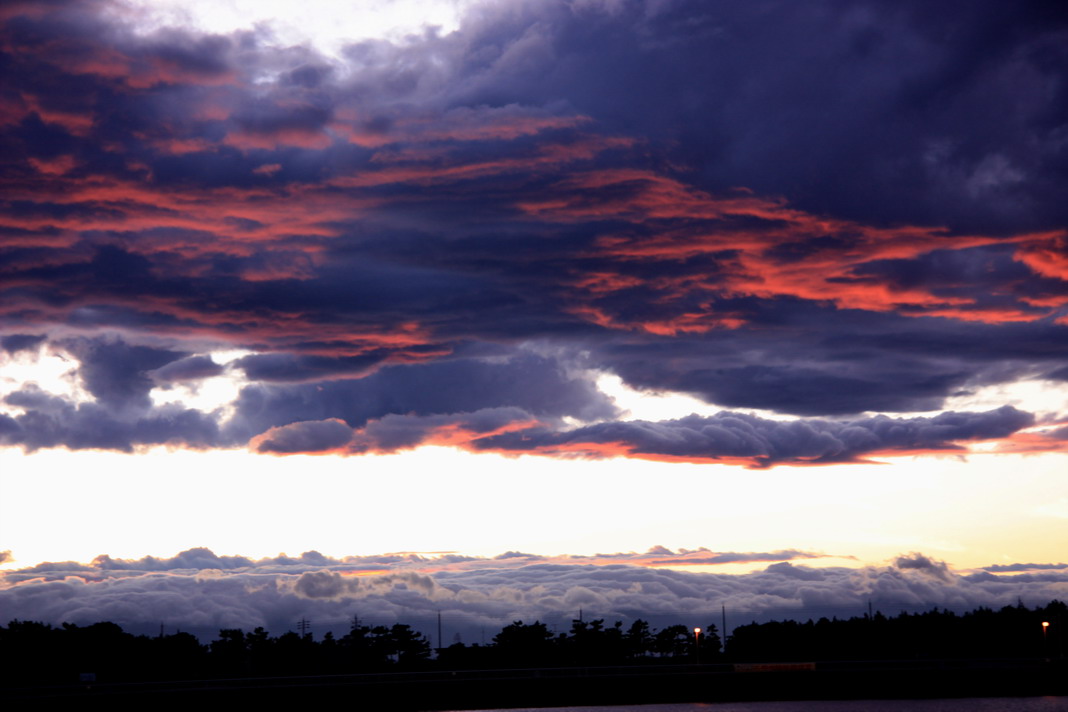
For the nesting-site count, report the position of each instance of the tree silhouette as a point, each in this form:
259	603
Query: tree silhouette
673	641
40	653
638	640
519	645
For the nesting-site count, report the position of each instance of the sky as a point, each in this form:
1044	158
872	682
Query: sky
508	309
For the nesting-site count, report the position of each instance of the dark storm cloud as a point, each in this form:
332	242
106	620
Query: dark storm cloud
805	208
525	382
192	368
116	373
1061	374
863	362
20	342
760	442
858	109
49	421
306	436
200	592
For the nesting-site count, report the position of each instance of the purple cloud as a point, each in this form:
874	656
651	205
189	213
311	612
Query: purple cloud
478	221
197	591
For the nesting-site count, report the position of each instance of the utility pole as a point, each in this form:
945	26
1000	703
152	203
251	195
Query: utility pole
304	627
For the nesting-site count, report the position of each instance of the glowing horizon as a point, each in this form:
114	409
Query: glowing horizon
628	304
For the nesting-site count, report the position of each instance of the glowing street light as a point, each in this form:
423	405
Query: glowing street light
1045	629
697	644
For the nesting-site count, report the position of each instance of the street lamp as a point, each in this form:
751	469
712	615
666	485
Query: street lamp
697	644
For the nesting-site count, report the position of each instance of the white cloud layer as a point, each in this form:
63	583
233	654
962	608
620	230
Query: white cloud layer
200	592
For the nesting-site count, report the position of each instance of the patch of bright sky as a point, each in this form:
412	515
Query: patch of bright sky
325	24
1058	508
653	406
1037	396
208	394
51	370
435	499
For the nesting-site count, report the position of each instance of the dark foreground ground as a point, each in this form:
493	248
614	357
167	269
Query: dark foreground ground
603	686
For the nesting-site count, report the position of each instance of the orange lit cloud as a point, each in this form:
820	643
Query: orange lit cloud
763	249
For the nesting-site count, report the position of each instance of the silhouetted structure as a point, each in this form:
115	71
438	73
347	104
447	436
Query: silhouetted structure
40	653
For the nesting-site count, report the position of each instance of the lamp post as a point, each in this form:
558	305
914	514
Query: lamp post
697	645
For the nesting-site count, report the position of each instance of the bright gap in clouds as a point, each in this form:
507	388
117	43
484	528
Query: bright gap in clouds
1038	396
218	393
665	405
435	499
48	369
327	25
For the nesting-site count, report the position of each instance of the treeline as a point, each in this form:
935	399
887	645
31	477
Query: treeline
1012	632
40	653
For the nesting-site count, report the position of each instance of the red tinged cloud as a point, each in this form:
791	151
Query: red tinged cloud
1047	437
726	438
1047	256
312	437
249	141
736	438
484	123
763	249
341	217
442	169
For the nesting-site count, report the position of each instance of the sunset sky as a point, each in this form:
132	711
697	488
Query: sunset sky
509	308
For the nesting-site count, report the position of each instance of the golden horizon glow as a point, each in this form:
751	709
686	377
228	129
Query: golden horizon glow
235	503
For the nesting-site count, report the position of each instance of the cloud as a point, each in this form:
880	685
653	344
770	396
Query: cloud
20	342
116	373
739	558
50	421
1013	568
197	591
539	385
191	368
759	442
198	558
305	436
412	234
919	562
513	401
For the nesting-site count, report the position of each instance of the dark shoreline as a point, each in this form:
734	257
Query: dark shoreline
552	687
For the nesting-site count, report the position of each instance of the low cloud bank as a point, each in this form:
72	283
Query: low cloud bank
200	592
